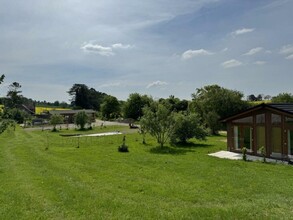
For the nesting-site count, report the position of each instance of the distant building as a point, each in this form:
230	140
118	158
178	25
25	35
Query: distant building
266	125
69	114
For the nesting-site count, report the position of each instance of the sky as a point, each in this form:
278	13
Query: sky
154	47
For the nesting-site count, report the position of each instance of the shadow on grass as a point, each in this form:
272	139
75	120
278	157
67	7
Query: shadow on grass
169	150
191	145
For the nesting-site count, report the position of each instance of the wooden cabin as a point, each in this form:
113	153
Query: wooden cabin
266	125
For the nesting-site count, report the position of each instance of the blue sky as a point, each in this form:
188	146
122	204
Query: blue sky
154	47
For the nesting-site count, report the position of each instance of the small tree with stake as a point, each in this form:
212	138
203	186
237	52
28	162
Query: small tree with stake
123	147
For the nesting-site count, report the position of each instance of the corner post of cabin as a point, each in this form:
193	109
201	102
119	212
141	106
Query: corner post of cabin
254	136
284	138
268	128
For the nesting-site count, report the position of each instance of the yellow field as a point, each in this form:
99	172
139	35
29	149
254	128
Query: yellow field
39	110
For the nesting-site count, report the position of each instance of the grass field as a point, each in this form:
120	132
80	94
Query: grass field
96	182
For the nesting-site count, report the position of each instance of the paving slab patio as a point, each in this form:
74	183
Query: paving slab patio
238	156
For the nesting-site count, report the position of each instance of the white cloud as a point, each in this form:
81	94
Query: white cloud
121	46
96	48
260	62
193	53
231	63
287	49
225	49
290	57
253	51
242	31
102	50
156	84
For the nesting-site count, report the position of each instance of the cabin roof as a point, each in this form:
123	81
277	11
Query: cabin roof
286	108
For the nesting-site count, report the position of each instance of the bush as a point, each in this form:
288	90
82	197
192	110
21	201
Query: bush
81	119
123	147
187	127
244	151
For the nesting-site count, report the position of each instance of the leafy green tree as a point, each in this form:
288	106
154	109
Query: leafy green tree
132	108
83	97
18	115
223	102
110	107
14	99
80	96
4	123
159	122
81	119
283	98
187	127
55	120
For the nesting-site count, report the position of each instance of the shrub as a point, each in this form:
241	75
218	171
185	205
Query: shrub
81	119
263	153
123	147
244	151
187	127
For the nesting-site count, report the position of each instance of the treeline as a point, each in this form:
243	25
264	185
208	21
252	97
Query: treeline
208	104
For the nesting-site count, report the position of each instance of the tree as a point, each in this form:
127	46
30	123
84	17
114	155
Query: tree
283	98
84	97
175	104
13	95
213	98
132	108
188	126
81	119
4	123
251	98
80	96
159	122
110	107
55	120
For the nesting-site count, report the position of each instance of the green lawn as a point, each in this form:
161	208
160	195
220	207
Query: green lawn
96	182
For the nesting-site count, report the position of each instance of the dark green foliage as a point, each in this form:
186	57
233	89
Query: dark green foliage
244	152
159	122
2	78
175	104
222	102
55	120
110	107
85	98
187	127
19	116
263	153
14	99
81	119
283	98
132	108
123	148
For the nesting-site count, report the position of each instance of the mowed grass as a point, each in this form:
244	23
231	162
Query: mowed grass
95	181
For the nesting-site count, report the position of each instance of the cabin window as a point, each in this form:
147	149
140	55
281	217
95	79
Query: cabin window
244	120
276	119
260	137
260	119
276	141
247	138
243	137
289	121
236	137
